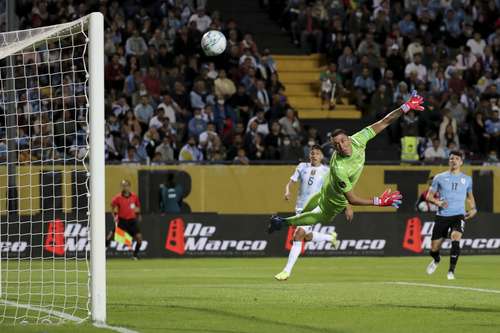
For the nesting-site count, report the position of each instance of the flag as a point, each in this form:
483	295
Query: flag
122	237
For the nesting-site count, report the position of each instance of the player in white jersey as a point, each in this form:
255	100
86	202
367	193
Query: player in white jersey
310	177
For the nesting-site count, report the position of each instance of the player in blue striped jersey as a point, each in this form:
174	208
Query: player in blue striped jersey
453	188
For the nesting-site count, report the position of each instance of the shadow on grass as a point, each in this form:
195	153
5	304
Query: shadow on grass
230	315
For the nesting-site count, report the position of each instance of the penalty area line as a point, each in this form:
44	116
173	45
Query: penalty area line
430	285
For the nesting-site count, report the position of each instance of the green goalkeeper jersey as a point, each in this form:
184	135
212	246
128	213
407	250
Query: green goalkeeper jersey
344	172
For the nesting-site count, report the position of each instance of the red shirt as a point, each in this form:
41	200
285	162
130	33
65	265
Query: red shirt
126	205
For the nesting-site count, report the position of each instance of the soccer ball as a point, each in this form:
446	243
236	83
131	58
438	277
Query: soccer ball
213	43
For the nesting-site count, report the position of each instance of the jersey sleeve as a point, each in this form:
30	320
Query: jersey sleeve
137	202
341	181
362	137
469	185
435	184
114	202
296	175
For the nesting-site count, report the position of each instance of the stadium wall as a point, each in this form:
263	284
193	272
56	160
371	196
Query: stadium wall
259	189
226	189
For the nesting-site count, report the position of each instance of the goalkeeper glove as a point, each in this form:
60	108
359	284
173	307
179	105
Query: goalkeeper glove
388	198
413	103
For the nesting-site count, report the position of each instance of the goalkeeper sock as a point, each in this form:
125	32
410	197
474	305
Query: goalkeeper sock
137	247
293	255
454	254
319	237
435	256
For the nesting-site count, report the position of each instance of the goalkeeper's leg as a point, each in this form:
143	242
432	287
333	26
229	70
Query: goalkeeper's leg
316	210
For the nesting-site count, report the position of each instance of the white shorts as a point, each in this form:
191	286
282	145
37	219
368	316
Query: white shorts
307	228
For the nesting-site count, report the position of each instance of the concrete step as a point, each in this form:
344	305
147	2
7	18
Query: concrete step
298	65
329	114
316	56
299	77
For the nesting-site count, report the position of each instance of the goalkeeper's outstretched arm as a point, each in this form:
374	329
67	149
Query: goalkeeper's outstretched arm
387	198
413	103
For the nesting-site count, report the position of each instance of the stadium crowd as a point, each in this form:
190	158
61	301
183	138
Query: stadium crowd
379	51
166	101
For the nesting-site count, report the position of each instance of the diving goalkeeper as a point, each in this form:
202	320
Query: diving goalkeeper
346	166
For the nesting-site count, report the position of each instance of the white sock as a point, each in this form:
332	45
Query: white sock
319	237
293	255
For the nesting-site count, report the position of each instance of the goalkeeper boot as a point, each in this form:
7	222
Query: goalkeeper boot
335	241
282	276
432	267
275	224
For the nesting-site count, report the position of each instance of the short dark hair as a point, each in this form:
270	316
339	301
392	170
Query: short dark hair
316	146
338	131
457	153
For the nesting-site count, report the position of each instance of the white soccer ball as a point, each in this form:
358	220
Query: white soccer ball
213	43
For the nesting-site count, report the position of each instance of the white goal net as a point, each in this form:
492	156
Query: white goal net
47	104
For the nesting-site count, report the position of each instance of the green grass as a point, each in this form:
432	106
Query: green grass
324	295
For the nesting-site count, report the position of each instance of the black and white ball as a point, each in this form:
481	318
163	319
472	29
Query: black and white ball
213	43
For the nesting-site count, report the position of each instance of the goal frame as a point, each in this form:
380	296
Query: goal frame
96	130
97	169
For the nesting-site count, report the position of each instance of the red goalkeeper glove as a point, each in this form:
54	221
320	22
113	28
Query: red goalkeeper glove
413	103
388	198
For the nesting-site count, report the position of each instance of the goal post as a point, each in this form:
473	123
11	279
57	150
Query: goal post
97	168
52	174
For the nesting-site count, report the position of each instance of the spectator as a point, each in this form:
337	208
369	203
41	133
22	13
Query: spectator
477	45
365	87
346	63
166	150
435	153
156	122
135	45
197	124
199	96
241	157
492	127
261	123
170	108
190	152
224	87
290	125
144	112
309	28
466	59
261	97
207	138
201	19
458	112
417	67
273	141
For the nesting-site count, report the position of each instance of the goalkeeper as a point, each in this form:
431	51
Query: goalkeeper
346	166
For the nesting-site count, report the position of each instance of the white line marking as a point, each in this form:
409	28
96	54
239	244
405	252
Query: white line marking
67	316
115	328
489	291
50	312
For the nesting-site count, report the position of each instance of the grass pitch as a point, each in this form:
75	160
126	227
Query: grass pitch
323	295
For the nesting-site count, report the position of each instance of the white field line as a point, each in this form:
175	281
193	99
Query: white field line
430	285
